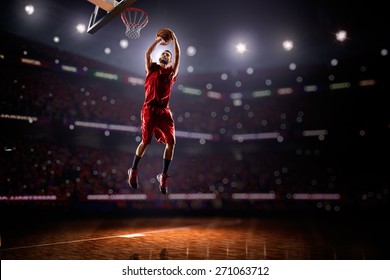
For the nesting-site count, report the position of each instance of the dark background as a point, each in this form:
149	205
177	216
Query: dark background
51	157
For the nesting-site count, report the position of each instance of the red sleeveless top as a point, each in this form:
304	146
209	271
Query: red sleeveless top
158	85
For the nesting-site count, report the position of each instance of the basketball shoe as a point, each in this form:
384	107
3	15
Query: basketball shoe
162	179
133	178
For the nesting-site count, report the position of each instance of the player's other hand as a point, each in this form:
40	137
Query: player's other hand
174	38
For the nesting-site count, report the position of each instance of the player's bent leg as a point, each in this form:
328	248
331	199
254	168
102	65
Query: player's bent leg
141	149
169	151
133	171
163	177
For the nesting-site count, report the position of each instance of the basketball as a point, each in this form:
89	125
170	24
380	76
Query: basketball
165	34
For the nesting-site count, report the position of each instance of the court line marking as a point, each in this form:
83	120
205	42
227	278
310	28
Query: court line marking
132	235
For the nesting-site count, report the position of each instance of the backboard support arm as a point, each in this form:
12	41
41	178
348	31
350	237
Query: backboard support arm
105	11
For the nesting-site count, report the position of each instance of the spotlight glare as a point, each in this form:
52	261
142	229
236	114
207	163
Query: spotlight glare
80	28
341	35
241	48
29	9
191	51
250	70
292	66
224	76
123	43
288	45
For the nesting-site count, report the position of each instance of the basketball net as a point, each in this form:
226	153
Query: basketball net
134	19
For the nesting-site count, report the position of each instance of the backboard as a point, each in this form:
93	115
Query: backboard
105	11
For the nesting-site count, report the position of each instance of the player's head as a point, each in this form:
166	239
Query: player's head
165	57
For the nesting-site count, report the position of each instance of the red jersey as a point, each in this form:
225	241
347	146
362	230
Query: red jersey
158	85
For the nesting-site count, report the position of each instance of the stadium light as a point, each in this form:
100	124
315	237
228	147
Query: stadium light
241	48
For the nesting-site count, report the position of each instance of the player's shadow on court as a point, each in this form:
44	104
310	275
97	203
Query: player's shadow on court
163	255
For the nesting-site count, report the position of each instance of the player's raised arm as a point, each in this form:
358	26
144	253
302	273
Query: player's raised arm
148	53
176	61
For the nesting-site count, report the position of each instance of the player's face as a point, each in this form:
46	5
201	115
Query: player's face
165	58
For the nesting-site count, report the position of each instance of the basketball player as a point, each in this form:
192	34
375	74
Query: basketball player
156	116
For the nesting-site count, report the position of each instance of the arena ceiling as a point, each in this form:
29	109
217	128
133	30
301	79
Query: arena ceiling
212	30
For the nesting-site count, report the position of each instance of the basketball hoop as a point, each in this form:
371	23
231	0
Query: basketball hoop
135	19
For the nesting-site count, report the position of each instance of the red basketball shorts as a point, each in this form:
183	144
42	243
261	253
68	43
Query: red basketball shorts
157	121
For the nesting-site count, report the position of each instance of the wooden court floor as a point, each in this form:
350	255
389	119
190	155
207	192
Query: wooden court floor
196	238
